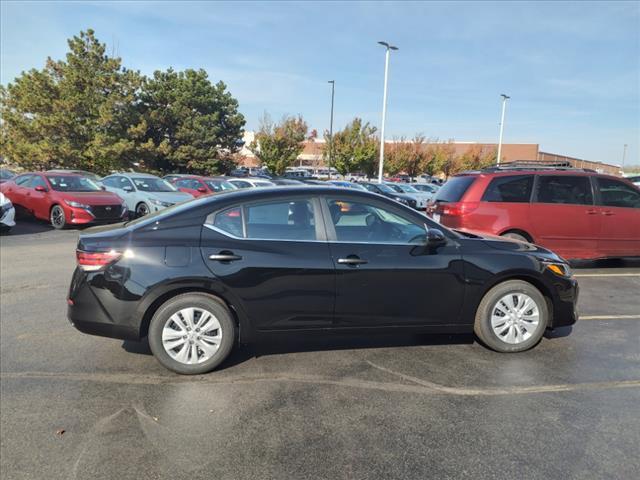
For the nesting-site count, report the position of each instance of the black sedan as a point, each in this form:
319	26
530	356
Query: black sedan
200	277
387	191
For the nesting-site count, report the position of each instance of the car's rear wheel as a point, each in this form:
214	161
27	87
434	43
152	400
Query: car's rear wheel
192	333
512	317
57	217
142	209
517	236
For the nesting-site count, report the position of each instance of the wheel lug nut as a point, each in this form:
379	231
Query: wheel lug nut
184	337
197	329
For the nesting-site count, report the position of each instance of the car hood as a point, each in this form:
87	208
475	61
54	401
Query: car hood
4	200
170	197
406	196
510	244
92	198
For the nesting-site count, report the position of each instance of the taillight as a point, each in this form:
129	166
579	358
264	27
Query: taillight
457	209
91	261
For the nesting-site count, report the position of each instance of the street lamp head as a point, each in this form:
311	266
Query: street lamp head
331	81
505	96
386	45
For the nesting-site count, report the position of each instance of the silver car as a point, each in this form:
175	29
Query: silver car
144	193
421	198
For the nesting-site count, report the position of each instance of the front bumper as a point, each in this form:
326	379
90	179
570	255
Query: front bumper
7	217
565	305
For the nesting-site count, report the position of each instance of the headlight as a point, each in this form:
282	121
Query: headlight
73	204
160	203
401	200
560	269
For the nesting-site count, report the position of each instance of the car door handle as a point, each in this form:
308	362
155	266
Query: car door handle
352	260
608	213
225	257
592	212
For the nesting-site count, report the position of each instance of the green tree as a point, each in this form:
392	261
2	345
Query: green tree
408	156
277	145
74	113
187	123
355	148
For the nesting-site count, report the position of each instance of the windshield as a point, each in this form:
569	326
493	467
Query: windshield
385	188
153	184
6	174
408	189
454	189
357	186
219	185
72	183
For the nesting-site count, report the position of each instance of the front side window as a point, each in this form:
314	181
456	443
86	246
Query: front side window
362	222
38	181
241	184
614	193
152	184
516	189
564	189
72	183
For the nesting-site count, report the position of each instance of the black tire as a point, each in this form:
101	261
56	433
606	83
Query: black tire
57	217
191	300
517	236
142	209
482	326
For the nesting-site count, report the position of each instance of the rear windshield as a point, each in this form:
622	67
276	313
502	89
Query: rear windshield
454	189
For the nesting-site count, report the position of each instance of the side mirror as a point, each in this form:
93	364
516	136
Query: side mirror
40	188
128	189
202	190
435	238
102	187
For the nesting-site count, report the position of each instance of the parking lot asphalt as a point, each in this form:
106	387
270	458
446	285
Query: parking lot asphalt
80	407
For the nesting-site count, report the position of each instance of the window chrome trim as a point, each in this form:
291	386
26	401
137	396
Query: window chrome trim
229	235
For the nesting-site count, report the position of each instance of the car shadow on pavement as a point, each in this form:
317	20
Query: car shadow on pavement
28	226
300	343
607	263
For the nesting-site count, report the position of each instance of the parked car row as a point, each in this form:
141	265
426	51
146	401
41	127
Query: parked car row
579	214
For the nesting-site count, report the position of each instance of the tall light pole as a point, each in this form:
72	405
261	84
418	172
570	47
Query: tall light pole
624	155
504	106
384	106
333	87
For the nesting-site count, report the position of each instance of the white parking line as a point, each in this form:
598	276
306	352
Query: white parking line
610	317
607	275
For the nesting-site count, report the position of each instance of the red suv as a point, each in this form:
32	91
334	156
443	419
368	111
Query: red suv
64	199
577	213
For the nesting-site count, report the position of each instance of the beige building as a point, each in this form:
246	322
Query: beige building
312	156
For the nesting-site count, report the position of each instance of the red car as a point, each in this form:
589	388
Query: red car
577	213
197	186
64	199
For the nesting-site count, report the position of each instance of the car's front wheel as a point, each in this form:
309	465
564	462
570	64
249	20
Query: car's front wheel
142	209
192	333
57	217
512	317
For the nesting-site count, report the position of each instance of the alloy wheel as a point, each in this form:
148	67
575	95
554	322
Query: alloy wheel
191	335
515	317
57	217
142	210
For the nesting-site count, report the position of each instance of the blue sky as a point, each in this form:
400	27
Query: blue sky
572	69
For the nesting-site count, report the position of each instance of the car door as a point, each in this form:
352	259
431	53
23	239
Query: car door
563	215
385	275
39	201
619	207
17	190
274	256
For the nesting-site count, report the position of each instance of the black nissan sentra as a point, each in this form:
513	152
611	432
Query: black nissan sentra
203	276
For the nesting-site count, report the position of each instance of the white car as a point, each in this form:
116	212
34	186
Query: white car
7	213
421	198
144	193
250	182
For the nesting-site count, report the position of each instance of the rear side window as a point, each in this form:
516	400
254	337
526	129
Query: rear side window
454	189
614	193
564	189
289	220
22	180
230	221
516	189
